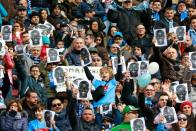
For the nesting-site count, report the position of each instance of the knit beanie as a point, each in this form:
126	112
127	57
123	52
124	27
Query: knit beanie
185	103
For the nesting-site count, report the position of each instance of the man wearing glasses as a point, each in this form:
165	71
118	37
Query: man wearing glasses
129	113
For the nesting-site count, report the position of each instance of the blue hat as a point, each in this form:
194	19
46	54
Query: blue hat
119	34
45	40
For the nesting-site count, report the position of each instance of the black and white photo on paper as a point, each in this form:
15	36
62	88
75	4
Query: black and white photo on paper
133	68
180	32
36	37
2	47
6	31
172	86
181	91
59	75
143	67
85	56
160	37
170	114
48	116
52	55
115	64
105	109
1	73
2	101
19	49
84	90
192	58
45	29
138	124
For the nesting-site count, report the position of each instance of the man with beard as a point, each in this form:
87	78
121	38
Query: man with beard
30	101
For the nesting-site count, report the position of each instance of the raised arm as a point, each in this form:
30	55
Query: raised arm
88	73
118	75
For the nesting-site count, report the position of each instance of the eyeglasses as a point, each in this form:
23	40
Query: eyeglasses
55	105
22	10
184	119
193	79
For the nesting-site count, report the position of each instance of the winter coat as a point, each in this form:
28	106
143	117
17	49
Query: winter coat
169	68
17	122
62	121
163	23
88	126
73	58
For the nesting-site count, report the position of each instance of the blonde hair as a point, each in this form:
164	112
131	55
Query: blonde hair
109	69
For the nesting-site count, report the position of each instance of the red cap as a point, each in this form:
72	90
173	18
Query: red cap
186	103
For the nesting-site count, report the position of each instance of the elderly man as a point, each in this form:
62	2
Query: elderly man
170	68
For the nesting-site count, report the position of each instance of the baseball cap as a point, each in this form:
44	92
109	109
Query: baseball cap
119	34
129	108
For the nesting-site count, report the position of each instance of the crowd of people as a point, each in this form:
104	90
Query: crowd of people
155	40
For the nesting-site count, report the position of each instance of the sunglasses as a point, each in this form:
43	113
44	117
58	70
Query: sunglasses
22	10
55	105
184	119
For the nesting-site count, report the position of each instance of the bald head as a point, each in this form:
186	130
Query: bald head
171	53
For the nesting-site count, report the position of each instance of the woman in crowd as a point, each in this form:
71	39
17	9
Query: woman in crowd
14	118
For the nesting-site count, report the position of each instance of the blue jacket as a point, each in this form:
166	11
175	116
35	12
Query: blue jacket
3	13
73	58
192	34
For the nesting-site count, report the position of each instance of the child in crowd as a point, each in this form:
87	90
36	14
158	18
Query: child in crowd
40	123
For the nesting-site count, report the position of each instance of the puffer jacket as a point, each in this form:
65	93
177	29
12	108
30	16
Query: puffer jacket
17	122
